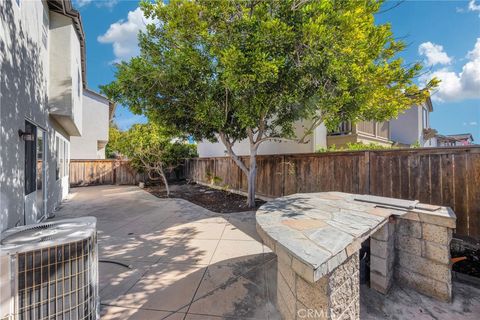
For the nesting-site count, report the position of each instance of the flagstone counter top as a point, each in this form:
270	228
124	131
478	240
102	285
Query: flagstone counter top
313	233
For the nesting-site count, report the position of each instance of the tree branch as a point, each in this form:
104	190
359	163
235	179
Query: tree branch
229	146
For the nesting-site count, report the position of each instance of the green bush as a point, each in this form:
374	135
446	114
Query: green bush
356	146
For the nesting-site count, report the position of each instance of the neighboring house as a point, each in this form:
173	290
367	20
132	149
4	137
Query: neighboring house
454	140
413	126
217	149
365	132
41	91
97	114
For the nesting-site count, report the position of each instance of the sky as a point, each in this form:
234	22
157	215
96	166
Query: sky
443	35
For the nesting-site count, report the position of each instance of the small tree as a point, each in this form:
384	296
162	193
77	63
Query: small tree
153	150
234	70
115	138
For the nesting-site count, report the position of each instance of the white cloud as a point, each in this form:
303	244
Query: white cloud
455	86
123	35
434	54
473	6
471	123
82	3
98	3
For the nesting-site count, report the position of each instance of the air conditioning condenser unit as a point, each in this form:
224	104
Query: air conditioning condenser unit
50	271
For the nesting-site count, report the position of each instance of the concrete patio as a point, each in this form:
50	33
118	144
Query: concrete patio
190	263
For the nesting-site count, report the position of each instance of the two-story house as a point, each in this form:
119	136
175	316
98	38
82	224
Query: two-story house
412	127
365	132
97	114
42	82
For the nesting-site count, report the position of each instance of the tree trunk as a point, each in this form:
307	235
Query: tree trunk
251	178
250	172
164	178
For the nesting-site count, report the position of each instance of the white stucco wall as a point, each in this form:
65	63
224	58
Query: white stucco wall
65	85
316	141
24	79
95	128
408	127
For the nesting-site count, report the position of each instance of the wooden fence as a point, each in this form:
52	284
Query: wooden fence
97	172
442	176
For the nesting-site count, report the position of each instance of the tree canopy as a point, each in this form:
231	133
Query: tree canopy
250	69
151	149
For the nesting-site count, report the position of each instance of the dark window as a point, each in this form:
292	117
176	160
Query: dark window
30	159
425	118
57	155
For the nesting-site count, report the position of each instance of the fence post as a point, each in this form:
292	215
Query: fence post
283	175
114	178
367	172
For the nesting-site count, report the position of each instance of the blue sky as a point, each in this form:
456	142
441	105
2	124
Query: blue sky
444	35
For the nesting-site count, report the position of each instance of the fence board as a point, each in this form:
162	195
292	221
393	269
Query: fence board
442	176
100	172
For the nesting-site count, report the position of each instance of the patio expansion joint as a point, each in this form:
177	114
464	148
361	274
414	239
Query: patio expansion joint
223	285
205	272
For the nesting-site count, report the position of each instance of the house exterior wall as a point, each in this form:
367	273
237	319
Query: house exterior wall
96	118
24	80
317	140
65	85
406	129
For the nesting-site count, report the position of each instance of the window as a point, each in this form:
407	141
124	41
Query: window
40	157
57	157
425	118
62	152
66	149
30	159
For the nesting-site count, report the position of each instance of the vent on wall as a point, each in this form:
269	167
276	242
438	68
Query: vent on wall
50	271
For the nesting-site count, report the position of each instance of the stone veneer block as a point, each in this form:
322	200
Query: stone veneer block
424	263
379	265
426	285
409	244
423	266
382	256
436	252
409	228
384	232
287	274
436	234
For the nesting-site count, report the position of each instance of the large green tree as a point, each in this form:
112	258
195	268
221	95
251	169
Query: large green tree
233	70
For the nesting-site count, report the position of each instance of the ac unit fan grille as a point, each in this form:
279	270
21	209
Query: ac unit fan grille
56	282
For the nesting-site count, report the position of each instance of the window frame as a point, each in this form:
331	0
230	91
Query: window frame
62	157
425	119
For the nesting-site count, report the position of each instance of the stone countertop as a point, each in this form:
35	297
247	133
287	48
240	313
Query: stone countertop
316	232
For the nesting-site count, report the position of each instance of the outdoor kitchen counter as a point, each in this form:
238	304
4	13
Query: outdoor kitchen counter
316	232
317	238
319	231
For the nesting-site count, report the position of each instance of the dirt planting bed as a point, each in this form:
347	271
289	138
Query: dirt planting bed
212	199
